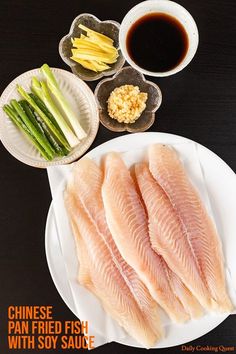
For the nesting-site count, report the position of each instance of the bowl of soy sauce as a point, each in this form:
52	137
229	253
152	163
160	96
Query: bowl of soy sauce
158	37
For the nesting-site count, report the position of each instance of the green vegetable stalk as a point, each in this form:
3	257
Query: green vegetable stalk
43	108
42	127
70	114
18	122
45	118
41	89
60	150
39	136
26	107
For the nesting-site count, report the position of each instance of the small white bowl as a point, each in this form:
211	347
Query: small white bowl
170	8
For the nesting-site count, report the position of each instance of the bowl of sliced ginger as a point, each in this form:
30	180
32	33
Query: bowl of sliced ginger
91	48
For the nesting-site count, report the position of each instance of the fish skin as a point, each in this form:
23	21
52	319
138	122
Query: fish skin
99	273
199	229
168	240
127	222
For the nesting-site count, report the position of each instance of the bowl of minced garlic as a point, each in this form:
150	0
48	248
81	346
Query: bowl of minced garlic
127	101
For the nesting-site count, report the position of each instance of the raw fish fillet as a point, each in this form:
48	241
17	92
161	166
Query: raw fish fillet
167	237
100	271
127	222
88	176
199	229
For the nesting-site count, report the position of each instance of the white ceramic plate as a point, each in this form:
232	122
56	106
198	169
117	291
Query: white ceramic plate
82	101
221	186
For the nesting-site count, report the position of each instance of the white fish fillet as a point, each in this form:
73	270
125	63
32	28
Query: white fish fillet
167	237
100	270
127	222
199	229
88	176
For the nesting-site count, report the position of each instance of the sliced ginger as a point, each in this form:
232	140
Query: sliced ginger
94	50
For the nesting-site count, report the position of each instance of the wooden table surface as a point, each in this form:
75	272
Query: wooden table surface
198	103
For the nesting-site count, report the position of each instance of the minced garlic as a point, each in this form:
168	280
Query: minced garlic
126	103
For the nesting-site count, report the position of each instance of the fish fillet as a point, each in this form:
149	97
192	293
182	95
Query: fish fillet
88	177
127	222
167	237
199	229
99	273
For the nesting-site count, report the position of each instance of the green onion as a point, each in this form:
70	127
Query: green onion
26	107
39	136
41	89
18	122
43	108
45	118
42	127
70	114
60	150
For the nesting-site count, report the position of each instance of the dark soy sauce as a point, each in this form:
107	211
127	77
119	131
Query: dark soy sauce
157	42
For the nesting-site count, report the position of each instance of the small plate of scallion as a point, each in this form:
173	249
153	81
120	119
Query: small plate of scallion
48	117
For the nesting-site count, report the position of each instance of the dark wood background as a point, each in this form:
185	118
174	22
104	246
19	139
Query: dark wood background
199	103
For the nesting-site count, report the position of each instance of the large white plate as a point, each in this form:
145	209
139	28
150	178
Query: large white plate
82	101
221	186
